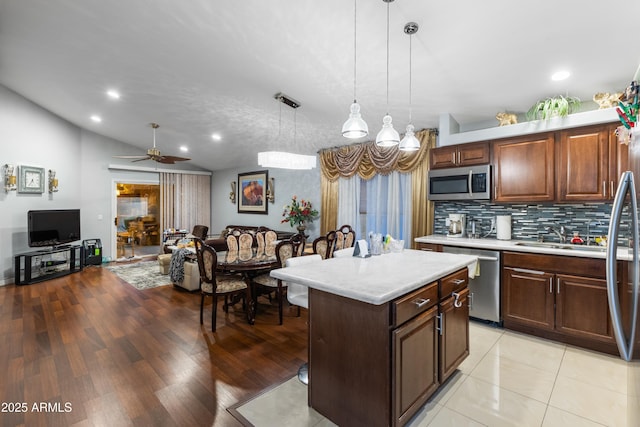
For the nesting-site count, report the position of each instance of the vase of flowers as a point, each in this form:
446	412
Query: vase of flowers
299	213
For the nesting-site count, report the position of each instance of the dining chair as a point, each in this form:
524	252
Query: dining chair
298	295
325	245
260	241
285	250
345	237
214	283
200	231
245	241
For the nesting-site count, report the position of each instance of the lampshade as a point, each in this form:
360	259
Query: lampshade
284	160
355	127
409	142
388	136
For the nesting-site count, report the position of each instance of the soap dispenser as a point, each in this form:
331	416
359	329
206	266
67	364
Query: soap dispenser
577	240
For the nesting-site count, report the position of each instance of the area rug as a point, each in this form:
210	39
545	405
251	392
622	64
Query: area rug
281	405
141	275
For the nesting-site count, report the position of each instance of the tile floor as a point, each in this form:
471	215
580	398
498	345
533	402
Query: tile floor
509	379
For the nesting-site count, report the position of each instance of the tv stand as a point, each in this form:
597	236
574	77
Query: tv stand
47	264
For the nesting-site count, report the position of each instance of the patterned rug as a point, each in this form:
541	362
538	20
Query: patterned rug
141	275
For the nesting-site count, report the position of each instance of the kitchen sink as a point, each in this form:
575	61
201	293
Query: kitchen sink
562	246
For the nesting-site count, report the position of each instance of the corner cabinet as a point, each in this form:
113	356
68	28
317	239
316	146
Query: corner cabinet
523	169
558	297
452	156
377	365
590	161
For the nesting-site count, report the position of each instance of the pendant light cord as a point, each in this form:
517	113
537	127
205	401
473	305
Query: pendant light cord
410	88
355	14
388	57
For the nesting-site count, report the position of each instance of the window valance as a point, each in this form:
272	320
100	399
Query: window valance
367	159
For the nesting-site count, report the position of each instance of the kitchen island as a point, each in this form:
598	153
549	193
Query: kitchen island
384	332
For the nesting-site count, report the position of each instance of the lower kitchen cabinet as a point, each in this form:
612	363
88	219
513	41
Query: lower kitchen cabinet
454	333
557	297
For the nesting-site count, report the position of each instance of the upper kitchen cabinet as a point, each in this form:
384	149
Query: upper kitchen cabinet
524	169
459	155
590	161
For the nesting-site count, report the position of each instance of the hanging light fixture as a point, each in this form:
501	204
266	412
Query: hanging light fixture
410	142
388	136
355	126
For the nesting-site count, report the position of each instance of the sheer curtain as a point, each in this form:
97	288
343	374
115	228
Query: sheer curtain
349	204
185	200
388	206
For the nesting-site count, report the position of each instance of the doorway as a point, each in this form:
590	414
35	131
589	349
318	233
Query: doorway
137	220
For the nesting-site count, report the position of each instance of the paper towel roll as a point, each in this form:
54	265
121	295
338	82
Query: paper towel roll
503	227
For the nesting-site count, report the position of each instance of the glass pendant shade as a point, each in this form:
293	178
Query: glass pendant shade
388	136
409	142
355	127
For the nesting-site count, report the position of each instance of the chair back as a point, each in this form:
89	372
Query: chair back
200	231
207	262
345	237
320	246
260	241
270	236
245	241
298	241
232	243
298	294
284	251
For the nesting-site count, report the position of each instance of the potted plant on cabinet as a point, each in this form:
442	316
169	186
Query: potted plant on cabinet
555	106
299	213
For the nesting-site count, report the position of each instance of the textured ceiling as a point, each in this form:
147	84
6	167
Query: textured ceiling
202	66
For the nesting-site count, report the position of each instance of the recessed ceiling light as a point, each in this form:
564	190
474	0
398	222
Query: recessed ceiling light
184	148
96	119
560	75
113	94
216	137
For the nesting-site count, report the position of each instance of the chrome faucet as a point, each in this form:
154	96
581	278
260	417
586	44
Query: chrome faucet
589	224
562	234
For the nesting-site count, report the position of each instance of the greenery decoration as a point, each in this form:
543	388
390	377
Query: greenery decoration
555	106
298	212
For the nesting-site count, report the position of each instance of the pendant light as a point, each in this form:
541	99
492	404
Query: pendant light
410	142
355	126
388	136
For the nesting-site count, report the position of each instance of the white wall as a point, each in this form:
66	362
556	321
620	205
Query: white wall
302	183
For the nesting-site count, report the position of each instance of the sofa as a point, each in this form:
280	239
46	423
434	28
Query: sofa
219	243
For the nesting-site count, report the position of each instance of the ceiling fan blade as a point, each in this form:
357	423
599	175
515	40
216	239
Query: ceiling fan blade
131	157
141	159
173	159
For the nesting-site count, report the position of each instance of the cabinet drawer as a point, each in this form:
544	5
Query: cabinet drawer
454	283
412	304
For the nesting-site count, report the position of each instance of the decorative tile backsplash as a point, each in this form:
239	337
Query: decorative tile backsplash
528	221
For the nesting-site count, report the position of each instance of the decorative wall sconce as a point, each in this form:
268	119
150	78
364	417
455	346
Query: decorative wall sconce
53	181
270	190
232	194
10	179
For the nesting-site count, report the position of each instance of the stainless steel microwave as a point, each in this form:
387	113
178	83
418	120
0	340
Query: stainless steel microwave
463	183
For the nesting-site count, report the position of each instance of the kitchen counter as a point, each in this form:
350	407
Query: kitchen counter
377	279
623	254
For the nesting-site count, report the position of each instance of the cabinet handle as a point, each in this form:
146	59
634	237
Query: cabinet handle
426	249
604	188
612	189
440	327
550	285
470	298
456	302
421	302
524	270
453	157
458	281
558	285
458	157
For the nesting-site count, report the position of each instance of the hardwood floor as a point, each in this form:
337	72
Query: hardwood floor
90	350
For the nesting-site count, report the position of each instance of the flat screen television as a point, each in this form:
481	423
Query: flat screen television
53	227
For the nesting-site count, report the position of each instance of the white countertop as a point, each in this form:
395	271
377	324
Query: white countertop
377	279
513	245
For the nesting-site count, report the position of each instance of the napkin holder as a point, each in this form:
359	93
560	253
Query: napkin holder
361	249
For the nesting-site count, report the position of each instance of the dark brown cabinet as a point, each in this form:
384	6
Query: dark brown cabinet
589	163
454	333
451	156
557	297
429	247
523	169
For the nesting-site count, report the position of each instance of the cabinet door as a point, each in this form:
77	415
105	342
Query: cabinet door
473	154
527	298
582	308
621	153
454	333
583	165
443	157
415	364
524	169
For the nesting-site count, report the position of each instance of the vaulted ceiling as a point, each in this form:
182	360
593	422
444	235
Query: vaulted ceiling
201	67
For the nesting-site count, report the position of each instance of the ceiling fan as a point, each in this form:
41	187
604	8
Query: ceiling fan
154	153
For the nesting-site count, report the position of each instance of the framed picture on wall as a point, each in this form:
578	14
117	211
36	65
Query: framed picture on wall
31	180
252	192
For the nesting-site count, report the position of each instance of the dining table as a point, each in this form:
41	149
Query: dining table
250	263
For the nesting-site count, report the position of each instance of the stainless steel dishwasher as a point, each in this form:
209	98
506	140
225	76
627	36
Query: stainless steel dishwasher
484	289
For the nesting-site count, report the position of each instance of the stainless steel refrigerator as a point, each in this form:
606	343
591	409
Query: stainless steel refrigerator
624	292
